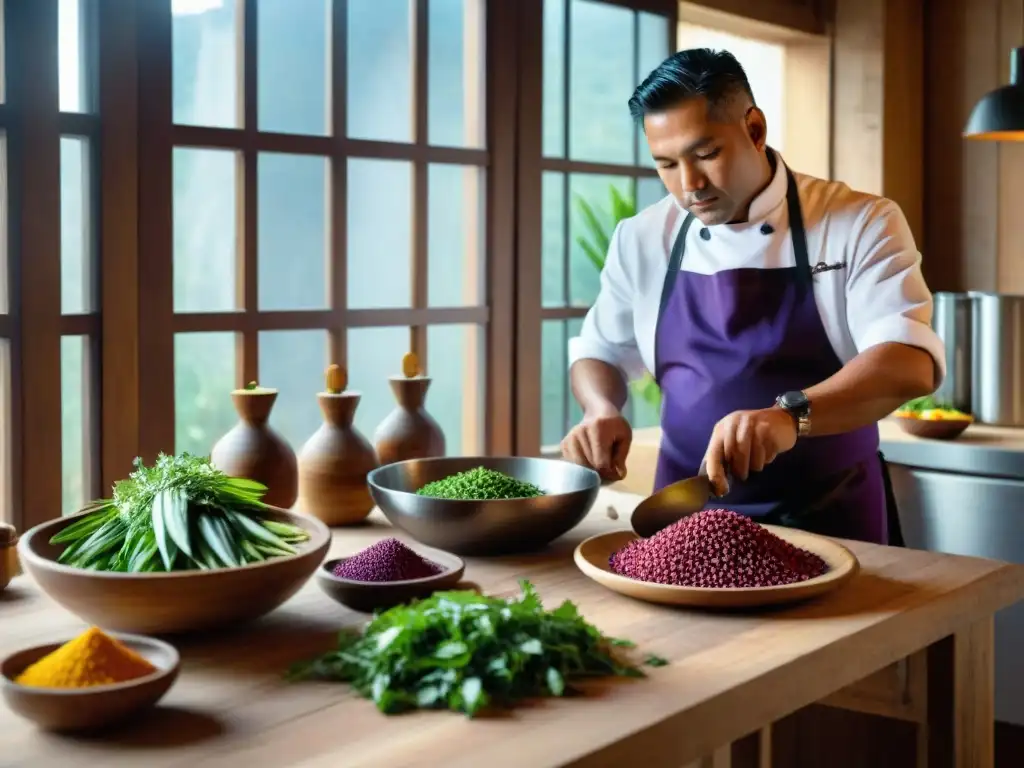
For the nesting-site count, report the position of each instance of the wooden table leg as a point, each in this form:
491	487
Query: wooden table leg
961	710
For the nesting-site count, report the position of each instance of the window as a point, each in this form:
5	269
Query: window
340	221
6	324
594	54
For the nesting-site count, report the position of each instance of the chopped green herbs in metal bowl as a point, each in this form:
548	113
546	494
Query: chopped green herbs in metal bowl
180	514
479	484
463	651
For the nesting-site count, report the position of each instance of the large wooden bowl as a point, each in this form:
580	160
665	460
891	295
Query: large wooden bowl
933	429
169	603
592	558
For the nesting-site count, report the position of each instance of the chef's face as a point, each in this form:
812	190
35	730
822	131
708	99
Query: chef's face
712	160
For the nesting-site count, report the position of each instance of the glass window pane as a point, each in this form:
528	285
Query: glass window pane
648	192
601	73
75	380
554	79
553	239
76	272
374	355
204	61
71	61
554	380
6	499
455	362
205	230
597	192
455	235
293	362
764	63
204	375
292	231
379	233
572	329
294	41
652	49
4	263
456	64
380	64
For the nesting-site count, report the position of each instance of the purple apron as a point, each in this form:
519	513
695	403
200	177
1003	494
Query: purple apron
736	340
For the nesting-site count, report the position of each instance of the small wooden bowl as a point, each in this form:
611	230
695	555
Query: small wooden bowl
370	596
82	709
592	555
933	429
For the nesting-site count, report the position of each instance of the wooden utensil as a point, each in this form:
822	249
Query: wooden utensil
673	502
593	554
81	709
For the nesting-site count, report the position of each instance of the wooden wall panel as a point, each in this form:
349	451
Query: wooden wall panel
974	232
878	101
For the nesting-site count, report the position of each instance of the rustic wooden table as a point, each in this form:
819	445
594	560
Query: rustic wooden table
729	676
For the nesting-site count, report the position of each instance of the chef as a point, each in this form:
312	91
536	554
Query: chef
781	315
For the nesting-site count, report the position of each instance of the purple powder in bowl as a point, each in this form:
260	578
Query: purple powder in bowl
387	560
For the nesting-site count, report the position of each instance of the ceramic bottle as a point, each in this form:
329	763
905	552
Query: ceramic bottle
253	450
334	462
409	432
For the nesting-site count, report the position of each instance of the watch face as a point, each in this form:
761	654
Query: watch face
793	401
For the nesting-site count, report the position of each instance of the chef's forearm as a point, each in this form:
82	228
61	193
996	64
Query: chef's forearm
597	386
870	387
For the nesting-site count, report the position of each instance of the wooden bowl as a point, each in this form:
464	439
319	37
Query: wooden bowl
80	709
370	596
592	555
937	429
166	603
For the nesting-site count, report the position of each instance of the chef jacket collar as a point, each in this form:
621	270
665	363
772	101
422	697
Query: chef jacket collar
766	203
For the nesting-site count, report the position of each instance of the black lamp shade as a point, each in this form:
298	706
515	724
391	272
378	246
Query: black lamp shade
999	116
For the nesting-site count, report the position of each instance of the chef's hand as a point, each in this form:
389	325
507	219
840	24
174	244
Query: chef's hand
747	441
601	441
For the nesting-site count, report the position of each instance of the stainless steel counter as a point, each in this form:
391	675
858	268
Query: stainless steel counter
966	497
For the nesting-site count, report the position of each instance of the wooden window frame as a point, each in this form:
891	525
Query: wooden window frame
532	164
158	322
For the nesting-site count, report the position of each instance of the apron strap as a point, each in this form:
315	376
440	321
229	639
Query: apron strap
798	232
675	261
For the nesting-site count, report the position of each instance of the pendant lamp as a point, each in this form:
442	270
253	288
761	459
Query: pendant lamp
999	116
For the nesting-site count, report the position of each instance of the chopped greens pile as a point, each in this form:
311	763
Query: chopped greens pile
479	484
463	651
180	514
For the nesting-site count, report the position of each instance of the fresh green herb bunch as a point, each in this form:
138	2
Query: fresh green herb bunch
463	651
479	484
180	514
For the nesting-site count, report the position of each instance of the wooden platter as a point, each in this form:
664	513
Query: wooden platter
592	555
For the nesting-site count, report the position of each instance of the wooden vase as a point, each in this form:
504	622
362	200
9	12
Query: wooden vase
334	463
408	432
254	451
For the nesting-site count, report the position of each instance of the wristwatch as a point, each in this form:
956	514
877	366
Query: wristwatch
798	406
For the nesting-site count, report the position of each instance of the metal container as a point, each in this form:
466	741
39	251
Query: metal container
491	526
953	321
997	385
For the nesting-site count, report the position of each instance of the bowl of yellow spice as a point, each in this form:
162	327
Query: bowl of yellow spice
90	682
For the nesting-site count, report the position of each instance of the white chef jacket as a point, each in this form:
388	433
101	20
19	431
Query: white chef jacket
877	295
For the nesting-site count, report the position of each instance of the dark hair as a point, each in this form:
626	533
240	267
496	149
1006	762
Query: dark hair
715	75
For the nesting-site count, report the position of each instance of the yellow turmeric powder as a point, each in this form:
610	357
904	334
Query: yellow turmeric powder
92	658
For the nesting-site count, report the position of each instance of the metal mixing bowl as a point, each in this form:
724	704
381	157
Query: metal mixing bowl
485	527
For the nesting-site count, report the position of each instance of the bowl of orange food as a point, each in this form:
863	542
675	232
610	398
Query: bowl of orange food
932	419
